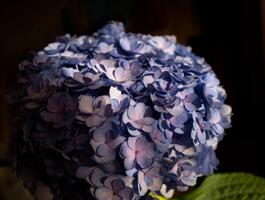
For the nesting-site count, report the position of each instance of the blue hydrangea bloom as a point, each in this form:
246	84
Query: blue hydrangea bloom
116	115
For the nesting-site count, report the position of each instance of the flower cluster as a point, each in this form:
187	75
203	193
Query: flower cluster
116	115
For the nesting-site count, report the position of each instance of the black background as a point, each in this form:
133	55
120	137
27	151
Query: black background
229	34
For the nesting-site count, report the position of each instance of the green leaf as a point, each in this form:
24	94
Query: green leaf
228	186
156	196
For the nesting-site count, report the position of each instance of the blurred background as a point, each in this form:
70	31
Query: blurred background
229	34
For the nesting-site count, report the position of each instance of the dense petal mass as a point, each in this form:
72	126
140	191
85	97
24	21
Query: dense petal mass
115	115
60	110
94	111
138	118
137	152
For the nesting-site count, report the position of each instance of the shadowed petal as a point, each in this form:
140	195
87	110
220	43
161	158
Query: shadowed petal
85	104
103	194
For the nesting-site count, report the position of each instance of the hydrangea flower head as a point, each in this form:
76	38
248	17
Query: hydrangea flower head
116	115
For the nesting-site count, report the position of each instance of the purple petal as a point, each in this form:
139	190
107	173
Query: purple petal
93	121
126	194
117	185
125	43
104	150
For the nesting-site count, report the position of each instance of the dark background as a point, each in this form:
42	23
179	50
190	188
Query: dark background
229	34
